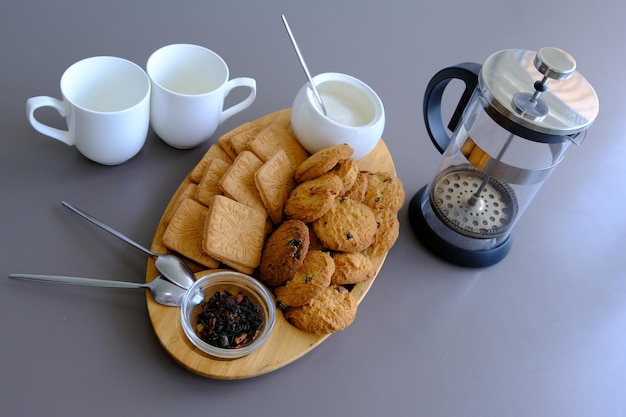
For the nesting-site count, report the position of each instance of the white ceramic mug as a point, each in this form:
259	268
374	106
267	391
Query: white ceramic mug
106	105
189	85
355	114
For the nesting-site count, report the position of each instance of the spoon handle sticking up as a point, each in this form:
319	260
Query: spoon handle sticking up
170	266
108	228
303	64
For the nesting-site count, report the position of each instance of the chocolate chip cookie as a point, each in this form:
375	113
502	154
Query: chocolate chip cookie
309	281
284	252
331	311
349	226
311	199
322	161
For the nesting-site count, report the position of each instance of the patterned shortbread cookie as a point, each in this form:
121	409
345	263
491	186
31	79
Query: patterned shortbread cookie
234	234
224	141
209	185
274	182
184	232
239	142
214	152
189	191
238	182
275	137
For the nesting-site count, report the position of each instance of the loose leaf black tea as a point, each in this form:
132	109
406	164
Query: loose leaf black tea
229	321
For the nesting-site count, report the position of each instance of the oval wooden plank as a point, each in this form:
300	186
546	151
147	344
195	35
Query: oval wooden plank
286	343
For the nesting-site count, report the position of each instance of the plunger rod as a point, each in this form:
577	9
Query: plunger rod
475	198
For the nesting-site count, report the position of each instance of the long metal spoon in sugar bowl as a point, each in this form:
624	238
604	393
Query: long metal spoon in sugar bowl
303	64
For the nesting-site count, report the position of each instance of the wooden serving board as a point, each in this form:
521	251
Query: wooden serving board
286	343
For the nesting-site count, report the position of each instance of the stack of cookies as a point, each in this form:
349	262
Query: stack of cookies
307	226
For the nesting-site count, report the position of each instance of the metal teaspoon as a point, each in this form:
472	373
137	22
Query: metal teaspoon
170	266
303	64
163	291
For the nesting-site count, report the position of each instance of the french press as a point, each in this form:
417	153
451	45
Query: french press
517	116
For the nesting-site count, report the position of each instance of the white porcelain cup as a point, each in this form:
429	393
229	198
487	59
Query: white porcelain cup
355	115
189	85
106	105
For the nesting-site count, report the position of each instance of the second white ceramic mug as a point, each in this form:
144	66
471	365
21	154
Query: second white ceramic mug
189	85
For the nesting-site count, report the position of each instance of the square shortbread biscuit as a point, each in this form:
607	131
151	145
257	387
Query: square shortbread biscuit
274	181
238	182
188	192
214	152
239	142
234	234
224	141
185	231
274	137
209	185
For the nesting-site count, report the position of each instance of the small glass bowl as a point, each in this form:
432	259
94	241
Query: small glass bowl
233	282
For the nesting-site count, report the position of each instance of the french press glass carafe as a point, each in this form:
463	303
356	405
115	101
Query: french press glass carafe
518	114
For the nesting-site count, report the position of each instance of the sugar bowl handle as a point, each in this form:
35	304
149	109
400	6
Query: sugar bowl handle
466	72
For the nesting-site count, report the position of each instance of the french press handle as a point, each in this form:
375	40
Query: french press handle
466	72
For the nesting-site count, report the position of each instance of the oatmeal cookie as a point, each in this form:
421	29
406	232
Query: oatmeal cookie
310	280
315	243
352	268
384	191
359	188
348	171
386	234
322	161
311	199
349	226
331	311
284	252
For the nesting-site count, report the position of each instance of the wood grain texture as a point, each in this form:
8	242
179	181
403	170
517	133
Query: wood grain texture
286	343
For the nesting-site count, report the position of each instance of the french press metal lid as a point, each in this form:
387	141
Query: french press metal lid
518	114
554	111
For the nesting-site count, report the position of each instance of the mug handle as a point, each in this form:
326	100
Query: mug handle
242	105
466	72
34	103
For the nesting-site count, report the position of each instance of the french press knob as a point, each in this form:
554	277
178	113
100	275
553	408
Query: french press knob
519	112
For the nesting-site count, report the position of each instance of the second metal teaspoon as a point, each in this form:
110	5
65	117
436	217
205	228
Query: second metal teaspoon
163	291
169	266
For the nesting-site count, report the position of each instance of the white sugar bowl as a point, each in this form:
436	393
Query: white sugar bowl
354	115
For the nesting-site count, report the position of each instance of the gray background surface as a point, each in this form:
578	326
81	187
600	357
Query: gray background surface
543	333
